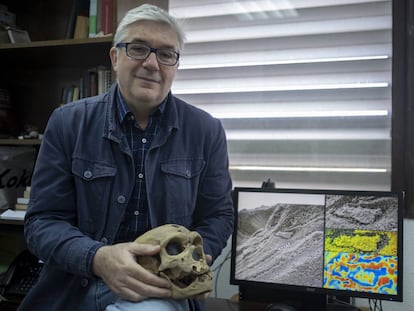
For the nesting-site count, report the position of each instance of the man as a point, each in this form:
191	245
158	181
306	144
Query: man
113	166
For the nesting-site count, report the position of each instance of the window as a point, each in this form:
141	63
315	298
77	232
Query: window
303	88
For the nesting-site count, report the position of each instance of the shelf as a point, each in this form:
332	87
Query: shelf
49	43
12	222
58	53
20	142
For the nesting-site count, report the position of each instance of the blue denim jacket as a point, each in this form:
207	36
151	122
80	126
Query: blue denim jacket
84	177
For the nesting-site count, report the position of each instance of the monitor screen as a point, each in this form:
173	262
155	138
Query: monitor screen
346	243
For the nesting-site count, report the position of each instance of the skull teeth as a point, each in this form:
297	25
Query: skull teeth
184	281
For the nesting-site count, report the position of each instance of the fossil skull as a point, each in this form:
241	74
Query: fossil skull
181	260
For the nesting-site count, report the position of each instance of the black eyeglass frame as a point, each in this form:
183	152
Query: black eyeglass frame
150	50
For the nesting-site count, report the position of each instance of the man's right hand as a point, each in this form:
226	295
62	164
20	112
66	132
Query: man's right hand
116	265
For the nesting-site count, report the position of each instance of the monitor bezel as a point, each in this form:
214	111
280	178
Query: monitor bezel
273	287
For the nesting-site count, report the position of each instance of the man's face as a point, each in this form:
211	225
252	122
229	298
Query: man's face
145	83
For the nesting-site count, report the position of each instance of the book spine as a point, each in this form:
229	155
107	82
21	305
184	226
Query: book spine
22	200
98	18
81	27
107	17
93	12
75	95
70	28
20	207
69	94
101	79
93	82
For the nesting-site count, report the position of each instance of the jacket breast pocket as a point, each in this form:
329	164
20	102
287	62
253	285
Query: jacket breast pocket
181	180
93	182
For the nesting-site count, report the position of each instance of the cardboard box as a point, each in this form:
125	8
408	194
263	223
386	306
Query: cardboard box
16	169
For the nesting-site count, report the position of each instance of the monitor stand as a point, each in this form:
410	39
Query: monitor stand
336	306
284	300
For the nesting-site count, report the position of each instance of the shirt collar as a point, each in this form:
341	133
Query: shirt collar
124	111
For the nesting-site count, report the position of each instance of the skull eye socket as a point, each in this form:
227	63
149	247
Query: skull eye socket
197	255
173	248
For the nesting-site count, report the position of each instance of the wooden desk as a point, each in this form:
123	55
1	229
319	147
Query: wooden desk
11	226
12	241
218	304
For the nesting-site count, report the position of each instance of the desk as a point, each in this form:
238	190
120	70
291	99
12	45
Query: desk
11	226
12	241
217	304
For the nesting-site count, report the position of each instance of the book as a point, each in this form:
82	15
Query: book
18	35
79	8
26	193
81	27
93	82
86	84
98	18
101	79
63	96
13	215
106	17
22	200
69	94
75	95
20	207
93	12
81	88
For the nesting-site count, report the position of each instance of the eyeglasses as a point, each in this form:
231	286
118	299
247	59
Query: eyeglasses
140	51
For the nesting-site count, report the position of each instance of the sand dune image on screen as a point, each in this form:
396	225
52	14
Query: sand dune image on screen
281	243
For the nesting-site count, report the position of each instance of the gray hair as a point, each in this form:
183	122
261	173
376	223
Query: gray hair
148	12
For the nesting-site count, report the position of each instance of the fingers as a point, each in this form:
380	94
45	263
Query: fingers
140	273
209	259
118	268
136	290
143	249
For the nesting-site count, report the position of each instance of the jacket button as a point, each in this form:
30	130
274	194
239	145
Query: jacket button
121	199
188	173
84	282
104	240
87	174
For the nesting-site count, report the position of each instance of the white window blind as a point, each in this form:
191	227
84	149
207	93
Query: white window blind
303	87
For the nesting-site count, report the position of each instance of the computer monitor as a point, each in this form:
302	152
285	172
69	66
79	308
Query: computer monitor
290	244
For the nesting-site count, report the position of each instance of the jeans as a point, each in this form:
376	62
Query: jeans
149	304
100	297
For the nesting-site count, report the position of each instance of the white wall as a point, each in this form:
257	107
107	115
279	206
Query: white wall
223	289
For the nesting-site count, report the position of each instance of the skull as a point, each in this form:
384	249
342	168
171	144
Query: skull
181	260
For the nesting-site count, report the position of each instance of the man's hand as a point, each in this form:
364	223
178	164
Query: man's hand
116	265
209	259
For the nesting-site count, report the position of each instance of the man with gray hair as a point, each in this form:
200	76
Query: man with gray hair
114	166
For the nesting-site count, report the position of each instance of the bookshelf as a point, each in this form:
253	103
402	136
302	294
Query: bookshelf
19	142
36	72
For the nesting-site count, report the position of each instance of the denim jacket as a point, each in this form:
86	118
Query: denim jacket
84	177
